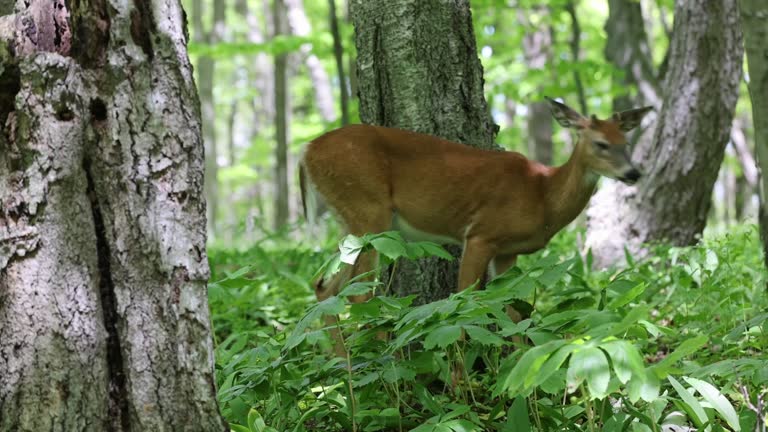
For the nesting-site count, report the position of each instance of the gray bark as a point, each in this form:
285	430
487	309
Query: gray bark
104	320
681	162
410	79
754	14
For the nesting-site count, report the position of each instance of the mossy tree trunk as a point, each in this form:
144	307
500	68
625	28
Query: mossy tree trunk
104	322
682	160
408	77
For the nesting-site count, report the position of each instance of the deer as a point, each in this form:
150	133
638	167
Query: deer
496	204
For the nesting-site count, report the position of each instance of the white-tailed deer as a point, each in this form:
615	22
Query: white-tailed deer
496	204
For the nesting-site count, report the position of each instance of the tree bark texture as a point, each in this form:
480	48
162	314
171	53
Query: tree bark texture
410	79
754	14
681	162
104	322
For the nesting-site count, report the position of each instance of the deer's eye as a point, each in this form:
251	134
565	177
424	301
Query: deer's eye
602	145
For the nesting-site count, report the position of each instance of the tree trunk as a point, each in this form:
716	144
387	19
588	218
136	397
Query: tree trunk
351	60
261	68
281	123
205	73
681	163
300	26
410	79
104	320
740	146
575	44
537	48
754	14
540	145
231	125
627	48
338	54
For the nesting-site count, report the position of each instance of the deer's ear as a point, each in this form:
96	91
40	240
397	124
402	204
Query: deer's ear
630	119
565	115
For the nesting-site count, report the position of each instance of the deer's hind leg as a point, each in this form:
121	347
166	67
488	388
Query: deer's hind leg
374	218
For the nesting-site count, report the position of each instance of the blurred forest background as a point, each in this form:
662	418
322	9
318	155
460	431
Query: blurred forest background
274	75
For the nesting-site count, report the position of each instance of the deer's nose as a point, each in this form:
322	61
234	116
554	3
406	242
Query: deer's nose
631	177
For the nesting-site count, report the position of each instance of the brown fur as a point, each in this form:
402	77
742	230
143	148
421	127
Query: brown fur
498	204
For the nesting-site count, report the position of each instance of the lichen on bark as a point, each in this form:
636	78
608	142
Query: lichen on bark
103	313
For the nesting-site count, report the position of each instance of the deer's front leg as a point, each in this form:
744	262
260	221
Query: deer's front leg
502	263
474	261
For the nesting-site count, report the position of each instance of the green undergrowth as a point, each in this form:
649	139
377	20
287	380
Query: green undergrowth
673	342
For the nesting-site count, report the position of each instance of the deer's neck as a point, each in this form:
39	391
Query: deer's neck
569	188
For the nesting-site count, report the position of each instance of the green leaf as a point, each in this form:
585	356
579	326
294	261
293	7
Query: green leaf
717	400
553	364
689	346
255	421
694	408
434	249
555	274
350	248
427	399
529	363
627	295
517	417
420	314
645	387
366	379
483	336
368	309
460	425
442	336
398	373
589	363
358	288
390	248
331	306
712	262
329	268
625	359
